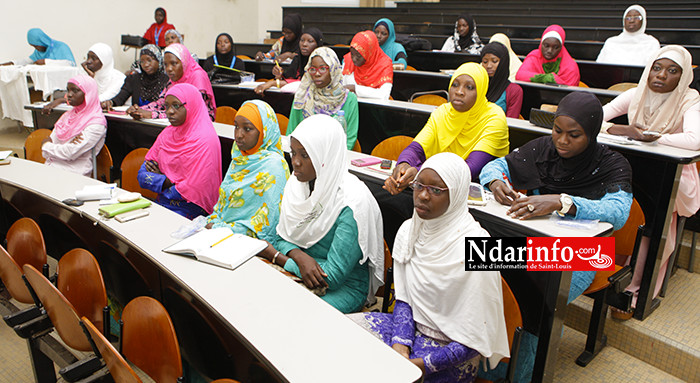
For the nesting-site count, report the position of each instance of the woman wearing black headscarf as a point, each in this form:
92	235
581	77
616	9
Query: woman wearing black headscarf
144	86
465	39
288	45
311	39
225	54
569	173
509	96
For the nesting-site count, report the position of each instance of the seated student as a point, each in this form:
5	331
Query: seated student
367	70
384	29
79	131
507	95
156	32
288	45
632	46
144	86
328	232
249	197
551	62
663	103
45	48
465	38
515	62
445	319
310	40
322	92
184	164
224	54
568	173
174	37
469	126
181	69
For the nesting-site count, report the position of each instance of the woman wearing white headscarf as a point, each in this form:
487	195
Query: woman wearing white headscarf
632	46
663	103
330	227
445	318
100	66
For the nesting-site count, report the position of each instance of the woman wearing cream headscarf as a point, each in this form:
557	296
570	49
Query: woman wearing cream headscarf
515	62
632	46
663	103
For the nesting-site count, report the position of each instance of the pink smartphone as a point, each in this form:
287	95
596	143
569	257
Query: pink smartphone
366	161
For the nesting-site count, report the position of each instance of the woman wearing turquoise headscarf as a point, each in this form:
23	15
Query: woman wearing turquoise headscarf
45	48
251	193
384	29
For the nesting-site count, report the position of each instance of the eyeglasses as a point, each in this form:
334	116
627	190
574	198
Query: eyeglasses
322	69
632	18
175	107
433	190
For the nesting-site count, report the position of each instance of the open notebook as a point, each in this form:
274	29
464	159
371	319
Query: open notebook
220	247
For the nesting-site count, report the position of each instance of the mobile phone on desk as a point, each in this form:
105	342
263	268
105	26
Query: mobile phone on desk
128	216
367	161
651	133
476	195
385	164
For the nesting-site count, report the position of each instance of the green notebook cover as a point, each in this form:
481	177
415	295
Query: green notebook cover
110	211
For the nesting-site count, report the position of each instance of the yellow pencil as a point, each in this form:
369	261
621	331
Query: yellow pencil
222	239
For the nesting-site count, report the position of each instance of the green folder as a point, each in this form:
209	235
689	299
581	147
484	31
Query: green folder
110	211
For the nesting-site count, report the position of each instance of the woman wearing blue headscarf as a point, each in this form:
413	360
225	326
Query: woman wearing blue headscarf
45	48
384	29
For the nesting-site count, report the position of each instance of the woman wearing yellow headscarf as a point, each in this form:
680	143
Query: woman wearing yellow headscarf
469	126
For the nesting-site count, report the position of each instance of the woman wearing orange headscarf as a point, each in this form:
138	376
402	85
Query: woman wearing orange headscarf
367	70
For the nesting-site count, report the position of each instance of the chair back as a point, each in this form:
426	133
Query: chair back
25	243
283	121
622	86
408	67
225	381
80	281
581	84
626	235
130	170
103	165
32	145
357	147
118	367
11	275
149	340
391	147
243	57
430	99
225	115
511	311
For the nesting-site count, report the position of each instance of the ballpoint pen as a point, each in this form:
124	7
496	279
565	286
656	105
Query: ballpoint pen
277	63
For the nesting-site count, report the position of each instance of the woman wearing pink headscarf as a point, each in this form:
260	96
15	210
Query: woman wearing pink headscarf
184	164
551	62
181	69
79	131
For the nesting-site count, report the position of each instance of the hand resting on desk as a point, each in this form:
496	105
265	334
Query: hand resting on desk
633	132
402	176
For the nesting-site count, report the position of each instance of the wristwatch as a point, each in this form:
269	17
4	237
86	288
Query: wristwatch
566	203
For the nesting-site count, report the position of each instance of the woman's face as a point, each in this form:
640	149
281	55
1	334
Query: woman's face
357	58
569	137
289	35
223	45
463	93
633	21
462	27
93	62
75	95
245	133
490	63
160	16
382	34
320	72
429	202
39	47
173	66
301	162
550	48
148	64
175	110
171	38
307	44
664	76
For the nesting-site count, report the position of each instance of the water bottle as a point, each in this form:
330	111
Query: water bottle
340	117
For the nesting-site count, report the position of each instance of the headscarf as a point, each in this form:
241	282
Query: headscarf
74	121
591	174
566	72
192	73
429	270
377	69
250	195
307	217
499	82
297	68
515	62
226	59
329	100
481	128
663	112
471	43
156	32
390	46
630	48
292	22
152	84
55	50
176	33
109	80
190	154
